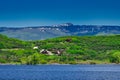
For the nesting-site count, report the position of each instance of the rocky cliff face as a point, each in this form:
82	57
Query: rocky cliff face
45	32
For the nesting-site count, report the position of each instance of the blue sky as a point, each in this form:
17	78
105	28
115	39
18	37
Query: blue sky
20	13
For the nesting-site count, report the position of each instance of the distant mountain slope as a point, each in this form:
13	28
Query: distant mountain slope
45	32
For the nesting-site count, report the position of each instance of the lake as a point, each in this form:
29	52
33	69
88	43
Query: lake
60	72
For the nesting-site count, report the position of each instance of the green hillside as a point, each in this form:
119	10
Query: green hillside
62	50
11	43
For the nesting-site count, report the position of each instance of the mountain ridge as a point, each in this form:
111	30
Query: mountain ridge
65	29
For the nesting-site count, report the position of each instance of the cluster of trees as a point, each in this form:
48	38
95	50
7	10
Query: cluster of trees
32	57
75	50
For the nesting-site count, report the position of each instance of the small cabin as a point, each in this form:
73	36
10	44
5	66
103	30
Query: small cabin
43	51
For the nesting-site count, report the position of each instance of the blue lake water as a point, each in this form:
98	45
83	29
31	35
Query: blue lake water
60	72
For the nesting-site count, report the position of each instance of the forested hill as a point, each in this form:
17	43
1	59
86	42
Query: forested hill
63	50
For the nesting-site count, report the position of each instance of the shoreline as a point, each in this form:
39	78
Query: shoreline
63	64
